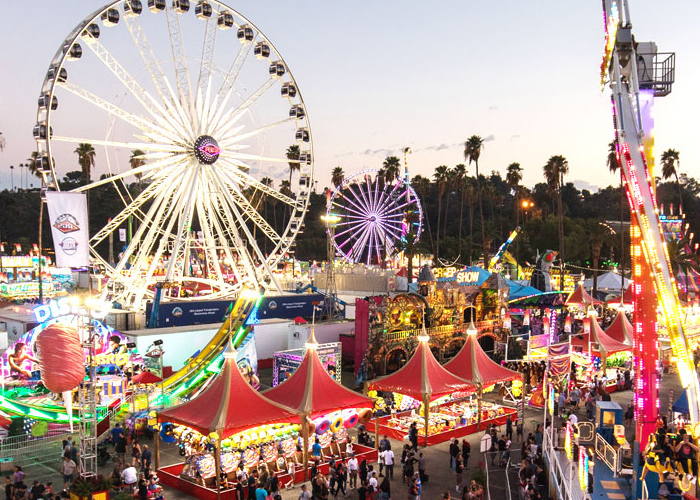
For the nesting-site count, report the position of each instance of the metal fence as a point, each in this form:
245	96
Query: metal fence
26	450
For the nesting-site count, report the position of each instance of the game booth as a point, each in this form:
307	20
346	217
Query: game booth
594	343
329	409
229	426
423	383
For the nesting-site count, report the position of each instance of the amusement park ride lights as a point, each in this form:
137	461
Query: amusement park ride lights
633	99
212	129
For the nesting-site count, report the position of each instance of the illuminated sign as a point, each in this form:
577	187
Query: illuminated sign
455	274
444	272
467	277
582	468
17	261
72	305
568	443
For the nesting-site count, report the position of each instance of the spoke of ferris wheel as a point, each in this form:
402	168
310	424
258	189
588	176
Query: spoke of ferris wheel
262	259
114	66
180	115
394	209
366	191
388	229
357	198
245	104
239	137
375	196
168	148
207	51
234	224
136	204
204	109
142	124
377	245
248	180
385	195
248	209
234	70
179	56
213	216
147	56
359	247
360	213
210	241
165	164
356	227
353	219
184	224
363	196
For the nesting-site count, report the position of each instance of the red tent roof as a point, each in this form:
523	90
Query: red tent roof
313	391
608	345
472	364
229	405
581	296
421	376
621	329
145	377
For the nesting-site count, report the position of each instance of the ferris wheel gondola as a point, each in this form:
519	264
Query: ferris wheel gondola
191	113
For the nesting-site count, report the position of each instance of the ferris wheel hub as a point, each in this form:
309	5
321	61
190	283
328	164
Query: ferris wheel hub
206	149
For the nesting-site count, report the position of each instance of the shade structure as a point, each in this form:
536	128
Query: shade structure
229	405
608	282
581	297
621	329
606	344
312	391
473	365
422	377
145	377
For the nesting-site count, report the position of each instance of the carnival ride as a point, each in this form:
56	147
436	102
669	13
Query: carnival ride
205	111
26	399
373	216
633	98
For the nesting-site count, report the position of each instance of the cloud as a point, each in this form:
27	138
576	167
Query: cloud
489	138
514	136
439	147
493	108
581	185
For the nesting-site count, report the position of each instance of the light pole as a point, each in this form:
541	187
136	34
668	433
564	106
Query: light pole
331	221
525	205
12	177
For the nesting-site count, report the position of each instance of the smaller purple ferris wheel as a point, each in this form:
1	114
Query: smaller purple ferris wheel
373	217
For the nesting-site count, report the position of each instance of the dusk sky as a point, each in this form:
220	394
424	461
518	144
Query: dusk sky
378	76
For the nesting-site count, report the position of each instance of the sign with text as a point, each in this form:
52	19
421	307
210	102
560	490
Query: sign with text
69	228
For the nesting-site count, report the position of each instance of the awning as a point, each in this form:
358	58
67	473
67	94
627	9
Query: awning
581	297
472	364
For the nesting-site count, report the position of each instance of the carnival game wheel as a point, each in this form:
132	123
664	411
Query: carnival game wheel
190	113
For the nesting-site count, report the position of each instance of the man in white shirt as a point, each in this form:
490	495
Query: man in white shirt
573	419
389	462
129	476
353	467
373	480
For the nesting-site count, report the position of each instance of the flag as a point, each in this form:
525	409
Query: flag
69	228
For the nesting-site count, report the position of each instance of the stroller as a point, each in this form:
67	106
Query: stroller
103	456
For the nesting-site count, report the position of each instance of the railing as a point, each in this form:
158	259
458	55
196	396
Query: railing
562	479
25	450
606	453
436	331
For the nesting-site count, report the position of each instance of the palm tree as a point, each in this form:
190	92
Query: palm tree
293	153
670	164
554	171
409	247
514	174
337	177
34	165
614	166
682	259
460	177
136	160
472	151
391	168
440	177
422	186
86	159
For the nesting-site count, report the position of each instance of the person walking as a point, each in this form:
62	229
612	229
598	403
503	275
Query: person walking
146	457
413	436
509	429
385	489
421	467
67	471
454	451
353	468
384	445
459	470
389	461
466	451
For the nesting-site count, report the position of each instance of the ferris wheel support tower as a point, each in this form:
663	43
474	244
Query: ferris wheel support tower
636	74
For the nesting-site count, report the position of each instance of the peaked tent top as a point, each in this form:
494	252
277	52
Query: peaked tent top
473	364
582	297
621	329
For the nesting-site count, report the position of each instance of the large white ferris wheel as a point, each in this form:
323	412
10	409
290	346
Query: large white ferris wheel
193	105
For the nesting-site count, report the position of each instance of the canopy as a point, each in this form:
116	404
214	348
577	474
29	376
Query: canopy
472	364
312	391
519	290
606	344
681	404
421	377
540	300
229	405
621	329
145	377
607	282
581	297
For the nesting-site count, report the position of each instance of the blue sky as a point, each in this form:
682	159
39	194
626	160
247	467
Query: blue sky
378	76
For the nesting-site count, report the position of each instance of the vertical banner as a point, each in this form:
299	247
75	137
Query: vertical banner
69	228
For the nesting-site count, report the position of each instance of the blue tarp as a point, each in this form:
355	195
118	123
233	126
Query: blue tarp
518	291
681	404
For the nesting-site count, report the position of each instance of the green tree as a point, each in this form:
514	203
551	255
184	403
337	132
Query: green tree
293	154
391	168
670	163
422	185
86	159
460	178
136	160
614	167
554	171
472	152
338	176
683	260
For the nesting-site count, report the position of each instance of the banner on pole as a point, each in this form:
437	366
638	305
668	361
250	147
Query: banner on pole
69	228
122	235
